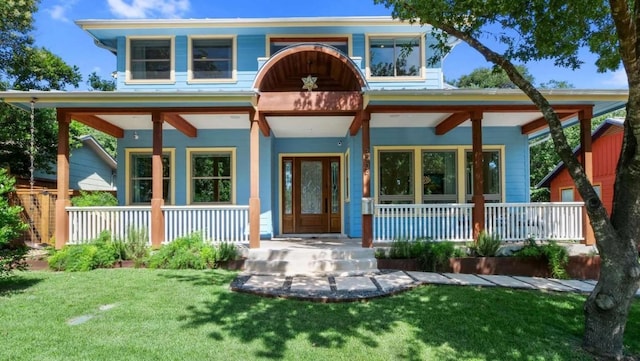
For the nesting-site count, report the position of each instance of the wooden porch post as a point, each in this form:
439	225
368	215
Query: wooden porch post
254	198
587	163
367	219
62	217
157	198
478	174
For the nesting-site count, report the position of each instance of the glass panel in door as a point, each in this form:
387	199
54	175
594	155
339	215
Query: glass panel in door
311	187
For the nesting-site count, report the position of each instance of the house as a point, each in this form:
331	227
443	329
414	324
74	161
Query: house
607	142
246	129
91	168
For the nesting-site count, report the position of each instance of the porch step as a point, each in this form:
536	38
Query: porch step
306	261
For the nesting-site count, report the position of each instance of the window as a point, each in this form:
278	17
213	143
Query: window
566	195
395	57
396	177
434	174
211	176
150	59
278	43
491	180
140	190
212	58
598	190
439	177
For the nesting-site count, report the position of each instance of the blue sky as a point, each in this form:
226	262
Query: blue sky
55	30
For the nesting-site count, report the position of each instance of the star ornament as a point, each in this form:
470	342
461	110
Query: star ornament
309	82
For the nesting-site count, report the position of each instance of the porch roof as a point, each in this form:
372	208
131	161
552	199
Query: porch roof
441	109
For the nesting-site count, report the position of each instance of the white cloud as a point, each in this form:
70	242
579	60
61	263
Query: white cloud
149	8
59	11
617	79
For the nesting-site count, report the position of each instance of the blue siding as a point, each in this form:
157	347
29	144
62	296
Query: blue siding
251	46
516	150
87	171
355	209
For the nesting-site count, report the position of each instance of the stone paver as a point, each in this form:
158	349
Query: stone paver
593	282
468	280
260	282
356	283
393	280
544	284
507	281
310	284
431	277
577	284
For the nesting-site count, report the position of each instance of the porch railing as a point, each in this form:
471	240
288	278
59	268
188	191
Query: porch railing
511	221
86	223
518	221
411	221
216	223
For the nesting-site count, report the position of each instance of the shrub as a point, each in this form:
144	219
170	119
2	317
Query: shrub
137	245
99	253
226	251
401	248
11	226
487	245
182	253
94	199
556	256
436	255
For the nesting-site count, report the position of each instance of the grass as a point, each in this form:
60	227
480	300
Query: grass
192	315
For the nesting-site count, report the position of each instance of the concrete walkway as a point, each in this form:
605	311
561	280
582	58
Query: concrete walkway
384	283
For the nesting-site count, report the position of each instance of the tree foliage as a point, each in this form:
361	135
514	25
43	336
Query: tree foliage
11	226
557	30
483	77
24	66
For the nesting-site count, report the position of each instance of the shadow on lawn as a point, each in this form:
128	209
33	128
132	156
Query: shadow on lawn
16	284
451	322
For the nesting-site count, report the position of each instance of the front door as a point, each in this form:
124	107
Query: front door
311	195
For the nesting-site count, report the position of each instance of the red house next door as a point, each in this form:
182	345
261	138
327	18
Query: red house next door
311	195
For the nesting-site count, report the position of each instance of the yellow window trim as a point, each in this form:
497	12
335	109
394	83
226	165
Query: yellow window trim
234	178
234	63
417	165
172	72
172	176
423	62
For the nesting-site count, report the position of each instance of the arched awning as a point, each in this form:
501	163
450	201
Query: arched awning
334	70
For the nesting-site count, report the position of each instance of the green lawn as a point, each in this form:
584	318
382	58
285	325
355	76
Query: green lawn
139	314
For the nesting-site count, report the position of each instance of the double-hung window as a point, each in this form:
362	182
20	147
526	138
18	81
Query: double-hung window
492	177
439	180
150	59
211	176
212	59
396	177
391	57
140	182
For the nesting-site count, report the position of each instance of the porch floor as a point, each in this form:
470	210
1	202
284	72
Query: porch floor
384	283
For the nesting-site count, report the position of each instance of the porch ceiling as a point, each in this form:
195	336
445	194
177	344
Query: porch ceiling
309	126
407	120
199	121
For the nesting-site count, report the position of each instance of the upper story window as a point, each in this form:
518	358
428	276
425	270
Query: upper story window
150	59
391	57
278	43
212	59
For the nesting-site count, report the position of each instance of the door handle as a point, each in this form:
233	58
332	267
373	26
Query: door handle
326	205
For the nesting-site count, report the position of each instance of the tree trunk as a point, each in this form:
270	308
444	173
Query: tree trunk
607	307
